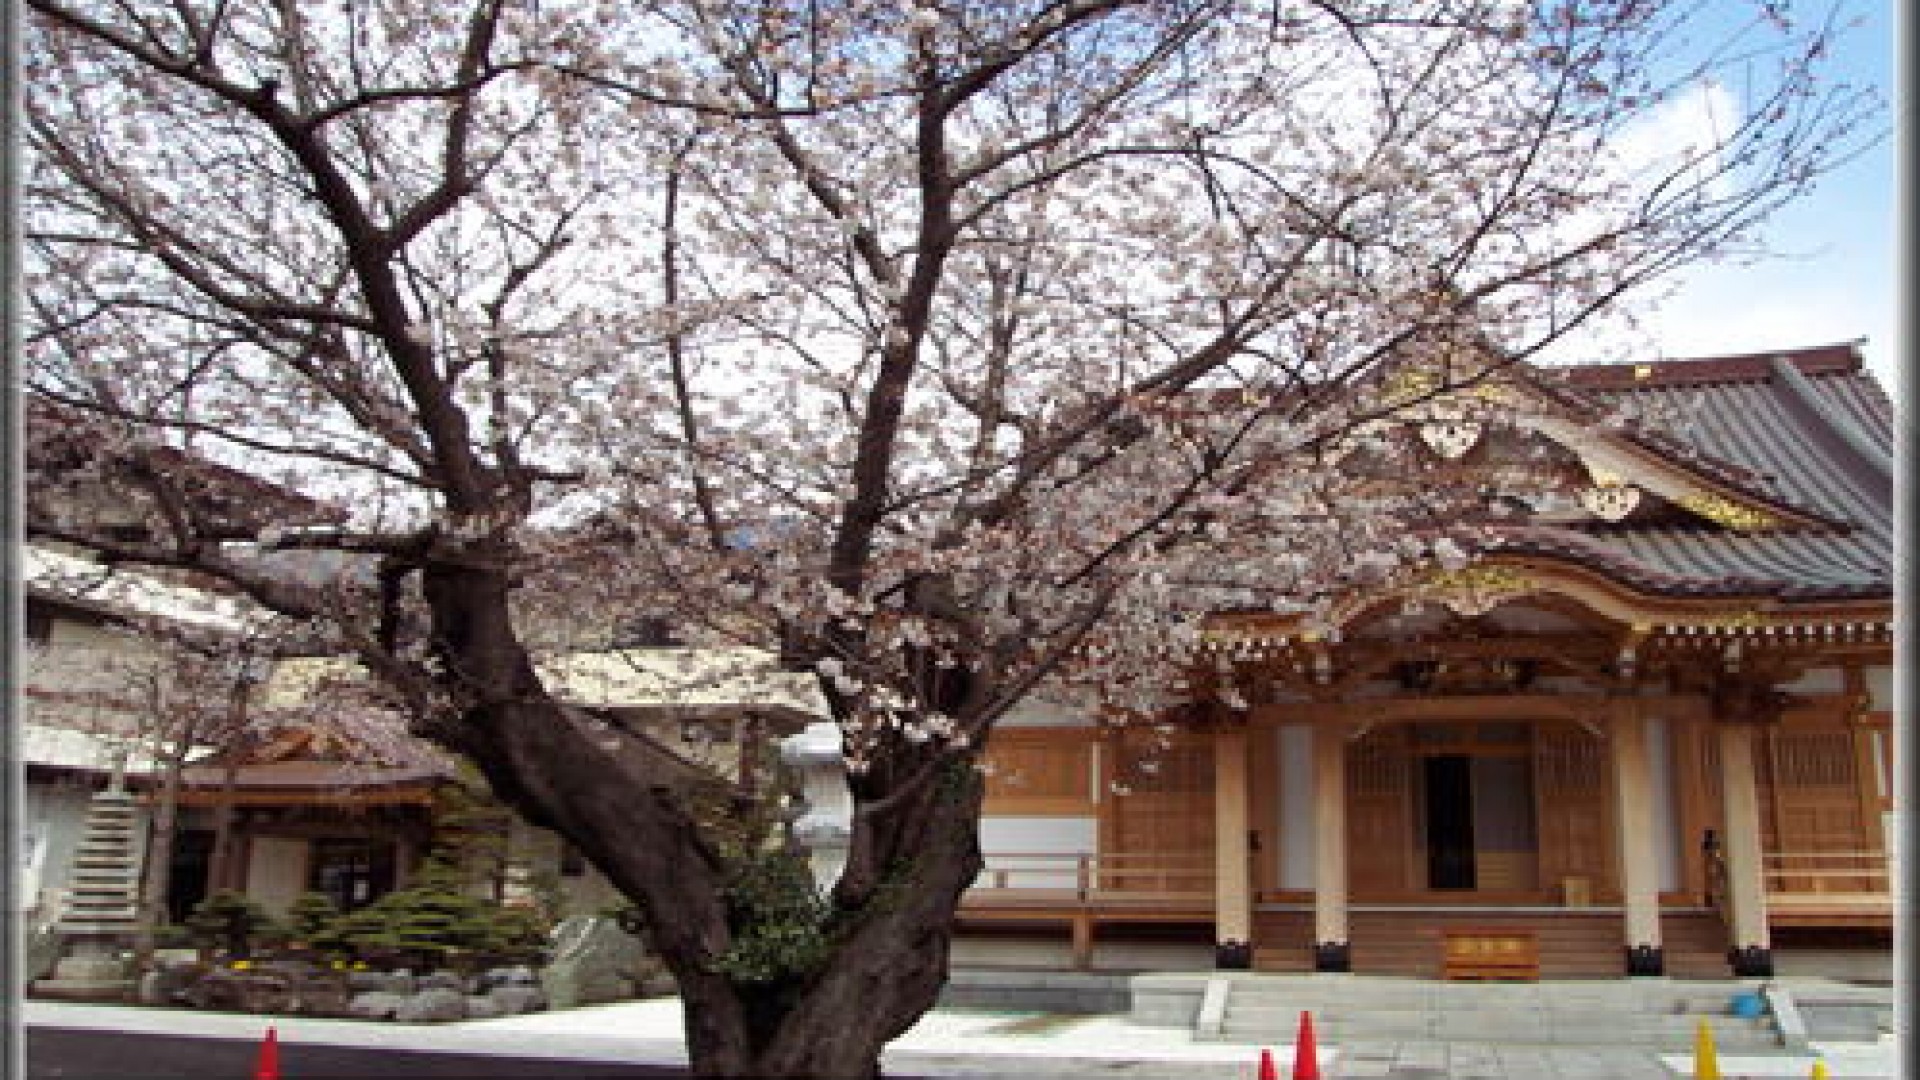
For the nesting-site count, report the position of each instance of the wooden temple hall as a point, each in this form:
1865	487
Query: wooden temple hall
1649	733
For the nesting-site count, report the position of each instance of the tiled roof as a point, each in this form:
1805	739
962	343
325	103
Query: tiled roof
1810	426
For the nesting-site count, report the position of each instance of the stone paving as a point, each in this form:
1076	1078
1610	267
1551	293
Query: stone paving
1028	1046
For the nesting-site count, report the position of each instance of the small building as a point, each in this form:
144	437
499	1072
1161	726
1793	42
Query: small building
301	807
1649	730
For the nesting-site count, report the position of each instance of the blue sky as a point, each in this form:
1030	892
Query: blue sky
1832	276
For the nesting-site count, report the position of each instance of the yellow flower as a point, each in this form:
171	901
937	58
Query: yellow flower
241	965
359	965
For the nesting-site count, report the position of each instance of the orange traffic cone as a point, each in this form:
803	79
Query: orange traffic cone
268	1066
1306	1057
1267	1069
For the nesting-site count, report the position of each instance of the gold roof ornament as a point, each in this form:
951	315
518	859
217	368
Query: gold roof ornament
1476	590
1725	512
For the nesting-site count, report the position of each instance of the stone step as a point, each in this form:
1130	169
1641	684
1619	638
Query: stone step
1477	998
1730	1033
1653	1013
1286	1018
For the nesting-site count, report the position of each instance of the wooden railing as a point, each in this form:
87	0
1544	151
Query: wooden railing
1826	878
1087	877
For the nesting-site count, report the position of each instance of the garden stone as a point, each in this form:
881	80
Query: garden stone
376	1005
384	982
508	976
241	991
514	1000
319	993
594	962
431	1006
168	983
265	992
440	980
482	1007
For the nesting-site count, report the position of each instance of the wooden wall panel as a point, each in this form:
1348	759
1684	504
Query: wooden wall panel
1380	839
1042	772
1159	797
1810	790
1575	807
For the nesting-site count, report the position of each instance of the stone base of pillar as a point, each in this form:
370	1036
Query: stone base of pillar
1646	960
1751	961
1333	956
1233	956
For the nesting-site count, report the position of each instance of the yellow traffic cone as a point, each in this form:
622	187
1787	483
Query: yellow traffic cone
1819	1069
1706	1063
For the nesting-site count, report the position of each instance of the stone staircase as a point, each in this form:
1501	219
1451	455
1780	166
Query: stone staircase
1574	943
1653	1013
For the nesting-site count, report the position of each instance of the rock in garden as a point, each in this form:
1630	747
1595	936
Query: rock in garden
483	1007
376	1005
440	980
508	976
594	962
514	1000
432	1006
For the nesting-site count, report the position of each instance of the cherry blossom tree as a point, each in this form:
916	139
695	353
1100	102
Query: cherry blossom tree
945	348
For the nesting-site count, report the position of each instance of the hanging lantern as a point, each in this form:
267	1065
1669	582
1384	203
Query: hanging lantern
1450	438
1610	502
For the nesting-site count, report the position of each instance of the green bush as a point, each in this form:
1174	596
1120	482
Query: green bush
310	916
438	922
230	921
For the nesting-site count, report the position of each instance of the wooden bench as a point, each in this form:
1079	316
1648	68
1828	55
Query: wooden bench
1468	953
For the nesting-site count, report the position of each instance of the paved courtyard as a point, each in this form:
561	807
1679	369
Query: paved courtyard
969	1043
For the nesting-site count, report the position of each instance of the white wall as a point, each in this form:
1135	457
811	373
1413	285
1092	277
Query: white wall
1035	711
56	814
276	872
1666	813
1818	681
1880	688
85	677
1295	806
1037	836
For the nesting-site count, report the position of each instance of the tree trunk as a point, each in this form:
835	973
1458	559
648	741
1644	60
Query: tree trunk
880	979
223	865
159	861
630	809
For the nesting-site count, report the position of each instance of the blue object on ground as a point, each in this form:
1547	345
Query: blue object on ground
1748	1006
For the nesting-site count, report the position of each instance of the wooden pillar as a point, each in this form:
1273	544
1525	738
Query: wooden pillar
1082	941
1639	868
1751	953
405	854
1232	861
1331	951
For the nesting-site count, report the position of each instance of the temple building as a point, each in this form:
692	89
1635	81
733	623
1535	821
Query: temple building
1647	731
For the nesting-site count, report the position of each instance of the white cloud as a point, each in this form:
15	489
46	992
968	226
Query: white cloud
1686	132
